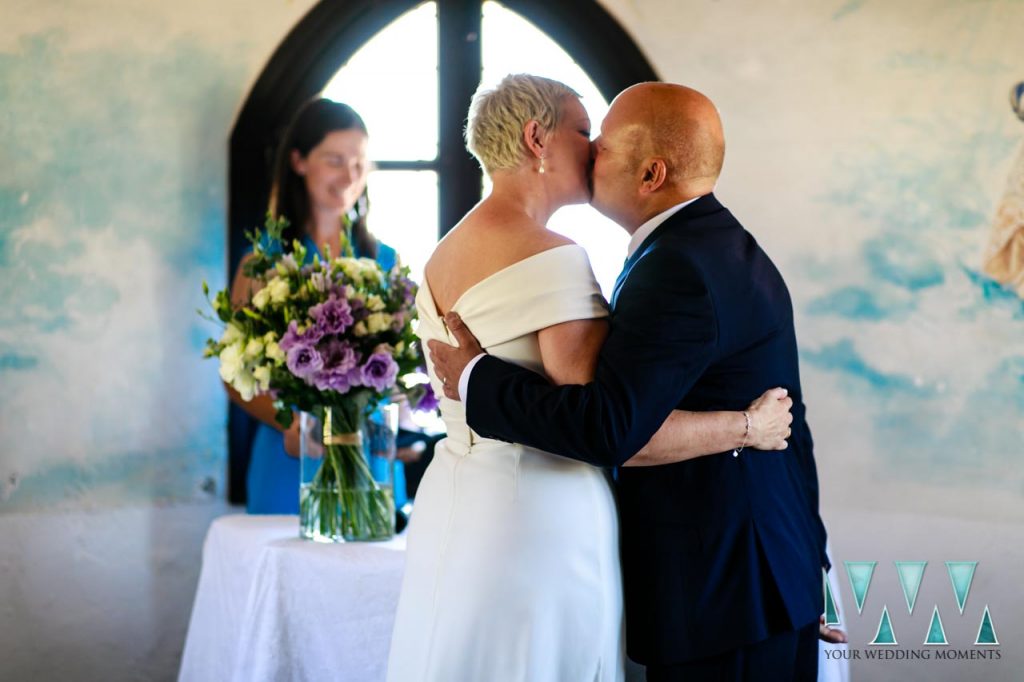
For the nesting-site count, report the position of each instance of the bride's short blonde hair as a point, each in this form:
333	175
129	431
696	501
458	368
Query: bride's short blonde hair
494	131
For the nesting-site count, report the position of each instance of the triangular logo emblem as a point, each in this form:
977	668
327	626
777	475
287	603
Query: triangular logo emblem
911	573
885	635
936	633
831	612
961	574
986	631
859	573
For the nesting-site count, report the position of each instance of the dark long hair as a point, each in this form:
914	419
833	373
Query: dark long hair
288	194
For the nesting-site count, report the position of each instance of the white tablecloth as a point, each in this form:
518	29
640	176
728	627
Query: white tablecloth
270	606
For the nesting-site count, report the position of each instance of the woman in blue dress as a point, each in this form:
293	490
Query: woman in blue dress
320	186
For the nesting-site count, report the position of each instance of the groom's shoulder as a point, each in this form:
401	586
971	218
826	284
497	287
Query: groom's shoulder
671	255
706	217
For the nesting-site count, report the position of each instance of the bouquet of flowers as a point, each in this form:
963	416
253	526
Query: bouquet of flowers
330	338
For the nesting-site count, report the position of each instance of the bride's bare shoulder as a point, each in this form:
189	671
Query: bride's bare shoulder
485	241
495	238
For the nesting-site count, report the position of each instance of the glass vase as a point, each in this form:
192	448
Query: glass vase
347	474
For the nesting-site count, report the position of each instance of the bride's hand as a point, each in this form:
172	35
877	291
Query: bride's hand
769	420
830	634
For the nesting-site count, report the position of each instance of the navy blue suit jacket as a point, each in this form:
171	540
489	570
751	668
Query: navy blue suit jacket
718	551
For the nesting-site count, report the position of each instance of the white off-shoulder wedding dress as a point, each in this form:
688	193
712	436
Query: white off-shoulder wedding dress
513	569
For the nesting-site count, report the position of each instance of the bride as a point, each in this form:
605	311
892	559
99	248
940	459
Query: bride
513	568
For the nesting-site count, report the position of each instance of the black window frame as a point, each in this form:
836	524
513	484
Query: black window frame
325	39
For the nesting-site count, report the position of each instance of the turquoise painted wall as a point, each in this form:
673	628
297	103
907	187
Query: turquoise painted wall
114	131
869	159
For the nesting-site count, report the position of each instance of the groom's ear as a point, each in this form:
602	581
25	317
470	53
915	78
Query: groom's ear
655	171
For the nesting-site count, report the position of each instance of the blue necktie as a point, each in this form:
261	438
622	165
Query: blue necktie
619	280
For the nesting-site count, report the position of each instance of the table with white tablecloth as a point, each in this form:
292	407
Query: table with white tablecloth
270	606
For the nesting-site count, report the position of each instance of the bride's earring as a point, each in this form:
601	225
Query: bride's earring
541	169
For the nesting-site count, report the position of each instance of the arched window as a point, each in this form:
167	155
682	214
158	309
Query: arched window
410	69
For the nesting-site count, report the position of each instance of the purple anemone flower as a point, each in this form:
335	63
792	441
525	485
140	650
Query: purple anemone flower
380	371
333	316
339	361
293	337
428	402
304	361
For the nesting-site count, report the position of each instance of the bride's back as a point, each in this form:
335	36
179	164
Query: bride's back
493	236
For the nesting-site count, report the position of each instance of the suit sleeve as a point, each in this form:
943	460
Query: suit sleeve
663	336
810	474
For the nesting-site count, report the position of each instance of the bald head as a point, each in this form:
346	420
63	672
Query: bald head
678	124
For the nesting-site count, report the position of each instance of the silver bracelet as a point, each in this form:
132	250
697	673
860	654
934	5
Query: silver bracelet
746	434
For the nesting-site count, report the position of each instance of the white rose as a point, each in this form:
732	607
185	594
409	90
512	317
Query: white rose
378	322
232	333
253	349
274	352
359	329
231	362
287	264
370	269
318	281
374	303
279	290
384	348
262	376
271	349
352	271
245	384
261	299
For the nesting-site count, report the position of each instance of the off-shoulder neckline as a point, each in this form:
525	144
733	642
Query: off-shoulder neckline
425	287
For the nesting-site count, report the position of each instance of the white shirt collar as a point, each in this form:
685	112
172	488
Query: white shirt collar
645	230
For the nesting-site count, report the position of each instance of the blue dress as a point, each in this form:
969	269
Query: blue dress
273	479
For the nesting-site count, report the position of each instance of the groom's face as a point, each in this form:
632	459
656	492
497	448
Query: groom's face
616	157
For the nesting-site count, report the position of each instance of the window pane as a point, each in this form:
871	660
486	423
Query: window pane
511	44
403	214
392	82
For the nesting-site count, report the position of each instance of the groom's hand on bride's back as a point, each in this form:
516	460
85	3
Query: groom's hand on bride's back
770	418
450	361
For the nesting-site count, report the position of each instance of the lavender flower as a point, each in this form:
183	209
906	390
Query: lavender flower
339	361
304	361
293	337
380	371
336	381
338	355
320	281
404	288
428	402
333	316
398	321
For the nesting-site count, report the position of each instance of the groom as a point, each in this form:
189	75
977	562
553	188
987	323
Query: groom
721	555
